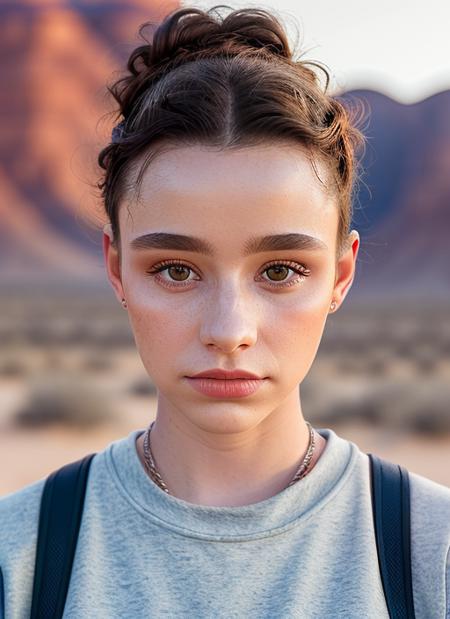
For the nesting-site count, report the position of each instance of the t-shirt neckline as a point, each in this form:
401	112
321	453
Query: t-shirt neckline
272	516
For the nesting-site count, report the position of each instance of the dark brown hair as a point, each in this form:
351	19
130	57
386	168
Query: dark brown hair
228	82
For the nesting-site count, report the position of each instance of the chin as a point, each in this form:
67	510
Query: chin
230	420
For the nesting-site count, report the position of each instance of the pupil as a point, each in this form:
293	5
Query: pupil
179	269
279	271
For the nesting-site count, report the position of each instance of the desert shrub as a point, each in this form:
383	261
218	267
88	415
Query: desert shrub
142	387
418	406
434	422
65	399
376	365
401	404
12	367
426	360
97	362
347	364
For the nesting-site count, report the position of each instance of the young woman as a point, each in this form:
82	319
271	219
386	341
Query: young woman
228	187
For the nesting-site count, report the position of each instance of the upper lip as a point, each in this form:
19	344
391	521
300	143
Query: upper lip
225	374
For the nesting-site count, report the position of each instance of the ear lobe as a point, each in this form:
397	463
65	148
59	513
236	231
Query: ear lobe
107	229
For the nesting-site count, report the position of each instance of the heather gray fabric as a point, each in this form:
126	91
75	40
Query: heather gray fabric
307	552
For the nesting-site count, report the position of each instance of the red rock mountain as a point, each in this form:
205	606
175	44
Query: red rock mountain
56	60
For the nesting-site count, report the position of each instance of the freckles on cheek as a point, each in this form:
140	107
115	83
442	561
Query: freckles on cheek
157	317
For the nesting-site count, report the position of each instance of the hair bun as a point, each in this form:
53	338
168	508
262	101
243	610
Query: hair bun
191	33
192	30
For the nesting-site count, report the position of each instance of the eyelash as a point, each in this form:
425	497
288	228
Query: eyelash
300	269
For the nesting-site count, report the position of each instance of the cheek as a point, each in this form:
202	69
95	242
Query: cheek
156	327
160	331
295	329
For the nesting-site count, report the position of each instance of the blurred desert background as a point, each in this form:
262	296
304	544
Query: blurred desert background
71	379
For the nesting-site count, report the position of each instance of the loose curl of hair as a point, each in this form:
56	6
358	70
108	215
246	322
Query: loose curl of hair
226	82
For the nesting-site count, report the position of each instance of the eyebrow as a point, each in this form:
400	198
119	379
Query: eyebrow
254	245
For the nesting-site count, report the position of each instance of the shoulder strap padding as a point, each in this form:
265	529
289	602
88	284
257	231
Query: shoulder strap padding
391	513
60	515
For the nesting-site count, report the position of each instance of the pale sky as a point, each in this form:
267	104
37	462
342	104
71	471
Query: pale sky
398	47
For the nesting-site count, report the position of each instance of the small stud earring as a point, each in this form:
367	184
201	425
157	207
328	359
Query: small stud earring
124	303
333	305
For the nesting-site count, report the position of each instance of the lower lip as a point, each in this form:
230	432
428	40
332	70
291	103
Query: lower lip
232	388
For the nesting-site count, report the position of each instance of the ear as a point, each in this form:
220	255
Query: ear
112	261
345	268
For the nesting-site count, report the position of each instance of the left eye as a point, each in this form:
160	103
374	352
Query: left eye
277	268
280	268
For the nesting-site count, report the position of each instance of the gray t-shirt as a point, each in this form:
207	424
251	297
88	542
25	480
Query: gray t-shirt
307	552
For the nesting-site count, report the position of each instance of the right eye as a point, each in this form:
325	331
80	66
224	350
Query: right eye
174	268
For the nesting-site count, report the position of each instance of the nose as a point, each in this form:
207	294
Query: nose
228	320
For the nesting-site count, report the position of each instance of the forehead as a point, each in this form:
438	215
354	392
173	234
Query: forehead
231	194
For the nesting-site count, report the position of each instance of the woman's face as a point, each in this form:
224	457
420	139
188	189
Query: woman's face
241	302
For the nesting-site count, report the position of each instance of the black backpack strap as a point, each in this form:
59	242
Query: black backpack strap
391	513
60	515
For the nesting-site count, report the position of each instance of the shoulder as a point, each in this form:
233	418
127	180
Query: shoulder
430	543
19	523
430	517
19	515
430	504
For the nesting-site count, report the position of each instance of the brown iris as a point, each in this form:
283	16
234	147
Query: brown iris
179	269
279	270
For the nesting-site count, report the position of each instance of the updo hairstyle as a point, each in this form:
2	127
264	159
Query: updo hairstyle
226	82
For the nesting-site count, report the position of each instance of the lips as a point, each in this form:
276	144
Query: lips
220	374
225	389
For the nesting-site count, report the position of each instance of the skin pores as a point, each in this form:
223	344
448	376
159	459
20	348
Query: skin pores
230	310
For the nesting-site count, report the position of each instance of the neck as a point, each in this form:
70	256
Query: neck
230	469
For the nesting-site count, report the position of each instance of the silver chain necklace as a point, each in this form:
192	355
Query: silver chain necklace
156	477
